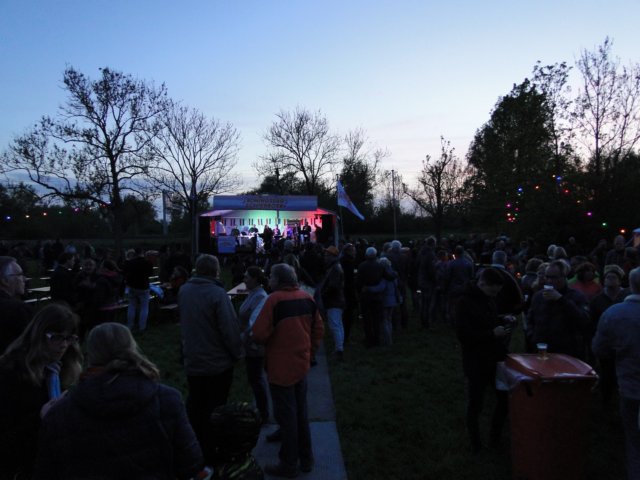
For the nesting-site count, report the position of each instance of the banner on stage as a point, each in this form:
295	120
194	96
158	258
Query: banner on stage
265	202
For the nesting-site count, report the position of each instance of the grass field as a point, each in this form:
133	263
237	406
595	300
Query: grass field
400	410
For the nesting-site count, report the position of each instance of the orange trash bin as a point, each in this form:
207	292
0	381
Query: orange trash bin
549	415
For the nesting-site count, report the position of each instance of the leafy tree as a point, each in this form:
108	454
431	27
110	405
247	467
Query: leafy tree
301	143
440	186
195	158
511	154
95	149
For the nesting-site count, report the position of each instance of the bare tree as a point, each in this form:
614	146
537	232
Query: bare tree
439	185
607	113
301	142
95	149
360	169
195	157
552	82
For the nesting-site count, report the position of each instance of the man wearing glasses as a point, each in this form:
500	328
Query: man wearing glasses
15	313
559	315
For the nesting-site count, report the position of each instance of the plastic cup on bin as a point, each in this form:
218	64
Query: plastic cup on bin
542	350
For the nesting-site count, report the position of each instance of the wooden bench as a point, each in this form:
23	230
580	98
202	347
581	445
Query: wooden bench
37	300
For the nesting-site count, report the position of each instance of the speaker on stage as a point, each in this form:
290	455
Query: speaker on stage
326	233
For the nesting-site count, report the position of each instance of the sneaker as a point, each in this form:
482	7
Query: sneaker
281	470
275	436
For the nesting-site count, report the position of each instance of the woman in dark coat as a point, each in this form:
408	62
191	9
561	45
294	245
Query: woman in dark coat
43	361
119	422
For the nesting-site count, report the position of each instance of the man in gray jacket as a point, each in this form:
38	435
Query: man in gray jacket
211	344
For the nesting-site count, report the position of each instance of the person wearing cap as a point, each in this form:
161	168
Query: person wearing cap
332	294
611	294
618	340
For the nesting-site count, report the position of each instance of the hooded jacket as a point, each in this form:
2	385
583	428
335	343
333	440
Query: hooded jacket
118	425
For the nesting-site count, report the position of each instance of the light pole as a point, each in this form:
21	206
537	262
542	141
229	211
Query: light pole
393	202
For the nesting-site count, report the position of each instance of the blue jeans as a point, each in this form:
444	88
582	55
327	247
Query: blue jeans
334	319
290	411
138	298
629	410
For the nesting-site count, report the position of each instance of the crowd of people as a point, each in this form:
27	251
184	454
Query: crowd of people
576	301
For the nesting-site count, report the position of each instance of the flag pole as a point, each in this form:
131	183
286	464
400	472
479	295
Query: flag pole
340	211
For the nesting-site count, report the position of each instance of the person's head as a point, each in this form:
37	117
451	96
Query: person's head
499	257
458	251
282	275
88	265
431	242
532	265
618	243
288	246
556	274
490	282
551	251
112	347
254	277
51	336
634	280
331	255
586	272
12	279
66	259
613	276
207	265
110	265
349	250
385	262
559	253
370	253
396	245
179	273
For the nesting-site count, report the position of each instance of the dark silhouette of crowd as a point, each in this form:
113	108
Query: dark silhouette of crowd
481	288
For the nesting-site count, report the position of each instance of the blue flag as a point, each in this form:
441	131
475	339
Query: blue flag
345	201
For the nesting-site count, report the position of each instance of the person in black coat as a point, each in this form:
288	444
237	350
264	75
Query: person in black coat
119	422
63	280
482	337
34	371
15	313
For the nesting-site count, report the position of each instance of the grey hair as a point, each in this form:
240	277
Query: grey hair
284	274
385	261
634	280
207	265
499	257
396	245
5	263
371	252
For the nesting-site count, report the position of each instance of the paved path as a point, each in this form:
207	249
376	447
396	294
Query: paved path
329	464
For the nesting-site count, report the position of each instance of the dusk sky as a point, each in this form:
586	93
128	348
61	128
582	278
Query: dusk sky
405	71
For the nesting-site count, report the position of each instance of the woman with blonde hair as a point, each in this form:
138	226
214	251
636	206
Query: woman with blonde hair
34	371
119	422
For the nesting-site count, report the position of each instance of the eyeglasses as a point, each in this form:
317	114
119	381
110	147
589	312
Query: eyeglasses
59	338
